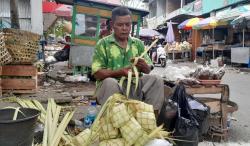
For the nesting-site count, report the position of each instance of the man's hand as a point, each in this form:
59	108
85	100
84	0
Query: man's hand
143	66
124	71
106	73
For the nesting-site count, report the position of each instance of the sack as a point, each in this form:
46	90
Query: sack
62	55
186	127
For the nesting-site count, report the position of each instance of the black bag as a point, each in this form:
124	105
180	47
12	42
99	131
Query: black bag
62	55
202	117
186	126
168	115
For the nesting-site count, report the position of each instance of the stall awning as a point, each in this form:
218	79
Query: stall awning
230	14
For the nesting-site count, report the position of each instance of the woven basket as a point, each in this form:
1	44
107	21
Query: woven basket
22	45
5	56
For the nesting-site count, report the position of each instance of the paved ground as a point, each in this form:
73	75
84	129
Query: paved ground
239	83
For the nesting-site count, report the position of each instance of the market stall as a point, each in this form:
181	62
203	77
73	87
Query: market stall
192	36
242	54
179	51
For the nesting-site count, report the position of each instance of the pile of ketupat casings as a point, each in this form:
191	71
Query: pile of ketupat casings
121	122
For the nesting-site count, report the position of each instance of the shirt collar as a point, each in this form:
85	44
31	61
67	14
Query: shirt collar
112	38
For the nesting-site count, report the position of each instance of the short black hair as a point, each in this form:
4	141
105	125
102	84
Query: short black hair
120	11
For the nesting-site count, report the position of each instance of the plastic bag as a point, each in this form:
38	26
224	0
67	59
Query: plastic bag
62	55
186	126
202	112
168	115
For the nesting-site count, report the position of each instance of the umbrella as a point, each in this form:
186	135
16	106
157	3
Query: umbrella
189	23
146	32
63	10
208	23
242	20
170	33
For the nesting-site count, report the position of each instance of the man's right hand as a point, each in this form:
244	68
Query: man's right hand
124	71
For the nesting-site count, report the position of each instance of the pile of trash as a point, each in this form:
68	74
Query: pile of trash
208	73
193	75
172	73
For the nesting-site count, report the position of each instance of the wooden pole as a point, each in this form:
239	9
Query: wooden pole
14	14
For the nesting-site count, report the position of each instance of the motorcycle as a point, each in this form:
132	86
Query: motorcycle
161	57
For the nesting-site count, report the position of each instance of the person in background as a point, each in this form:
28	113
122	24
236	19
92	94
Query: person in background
106	30
112	60
63	55
67	42
154	53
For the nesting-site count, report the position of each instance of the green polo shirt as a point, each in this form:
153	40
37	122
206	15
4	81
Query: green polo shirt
109	55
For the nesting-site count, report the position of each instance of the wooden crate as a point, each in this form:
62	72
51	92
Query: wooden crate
220	105
18	78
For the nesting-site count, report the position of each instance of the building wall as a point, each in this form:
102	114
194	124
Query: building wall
161	8
152	9
232	1
172	5
208	4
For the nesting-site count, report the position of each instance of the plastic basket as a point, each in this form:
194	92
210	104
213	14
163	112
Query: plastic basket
5	56
22	45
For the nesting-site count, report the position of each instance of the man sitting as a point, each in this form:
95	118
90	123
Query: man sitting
112	60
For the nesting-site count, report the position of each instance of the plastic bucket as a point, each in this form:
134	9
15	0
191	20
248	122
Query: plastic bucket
19	132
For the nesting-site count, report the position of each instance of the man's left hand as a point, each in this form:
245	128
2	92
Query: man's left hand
143	66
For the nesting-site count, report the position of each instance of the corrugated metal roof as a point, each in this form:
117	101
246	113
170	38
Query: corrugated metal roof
25	24
5	8
24	9
24	12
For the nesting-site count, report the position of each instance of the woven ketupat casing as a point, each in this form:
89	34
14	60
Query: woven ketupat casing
131	131
146	120
144	107
107	130
119	115
131	109
142	140
113	142
22	45
82	138
5	56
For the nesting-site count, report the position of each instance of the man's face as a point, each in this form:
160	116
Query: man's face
67	39
122	26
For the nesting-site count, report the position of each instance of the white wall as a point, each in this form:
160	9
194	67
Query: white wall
36	16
